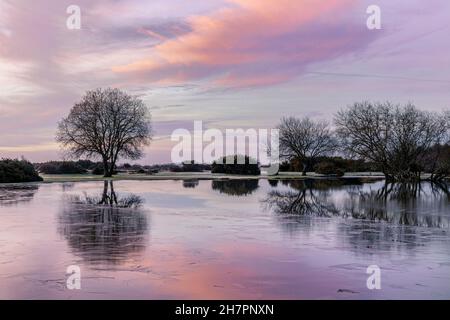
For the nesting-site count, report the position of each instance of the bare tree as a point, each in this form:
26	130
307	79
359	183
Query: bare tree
106	123
396	138
305	140
447	120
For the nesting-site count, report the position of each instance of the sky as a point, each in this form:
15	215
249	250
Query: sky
229	63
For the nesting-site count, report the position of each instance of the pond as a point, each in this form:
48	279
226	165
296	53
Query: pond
225	239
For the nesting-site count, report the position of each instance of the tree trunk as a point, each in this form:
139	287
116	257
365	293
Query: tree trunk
110	173
111	168
105	193
305	166
106	171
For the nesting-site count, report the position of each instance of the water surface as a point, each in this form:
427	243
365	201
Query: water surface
230	239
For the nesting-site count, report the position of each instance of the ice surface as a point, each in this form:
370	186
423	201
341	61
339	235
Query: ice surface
205	239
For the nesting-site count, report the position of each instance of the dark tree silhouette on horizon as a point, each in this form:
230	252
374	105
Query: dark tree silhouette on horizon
106	124
399	139
305	140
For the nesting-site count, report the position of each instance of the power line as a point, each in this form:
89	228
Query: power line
362	75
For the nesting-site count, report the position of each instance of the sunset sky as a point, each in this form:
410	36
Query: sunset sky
230	63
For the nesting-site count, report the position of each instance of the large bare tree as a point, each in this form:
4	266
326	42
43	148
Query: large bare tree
396	138
106	124
305	140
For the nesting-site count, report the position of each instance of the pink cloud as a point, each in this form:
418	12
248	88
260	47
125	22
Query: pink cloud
254	43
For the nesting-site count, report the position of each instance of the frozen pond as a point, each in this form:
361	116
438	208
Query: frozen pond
235	239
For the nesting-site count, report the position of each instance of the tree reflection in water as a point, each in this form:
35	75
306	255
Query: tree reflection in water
415	214
104	229
190	183
420	204
236	187
305	197
413	204
13	194
273	182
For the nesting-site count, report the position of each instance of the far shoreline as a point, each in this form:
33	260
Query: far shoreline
62	178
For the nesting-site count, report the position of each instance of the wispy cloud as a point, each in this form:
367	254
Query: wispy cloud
255	43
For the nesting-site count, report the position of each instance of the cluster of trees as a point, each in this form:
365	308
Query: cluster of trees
400	141
236	164
14	170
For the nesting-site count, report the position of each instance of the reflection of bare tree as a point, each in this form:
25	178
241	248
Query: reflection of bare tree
236	187
190	183
66	186
109	198
305	200
322	184
412	204
14	194
403	207
106	229
273	182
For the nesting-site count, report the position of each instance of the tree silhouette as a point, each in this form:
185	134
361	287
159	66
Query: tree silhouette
108	124
305	140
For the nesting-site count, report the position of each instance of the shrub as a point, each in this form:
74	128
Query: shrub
99	170
87	164
329	168
175	168
61	167
17	171
232	165
195	167
126	166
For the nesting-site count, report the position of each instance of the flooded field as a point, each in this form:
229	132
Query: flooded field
225	239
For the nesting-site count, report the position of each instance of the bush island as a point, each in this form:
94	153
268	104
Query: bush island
236	164
14	170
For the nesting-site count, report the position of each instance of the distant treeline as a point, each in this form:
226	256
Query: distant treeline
168	167
322	165
66	167
88	166
331	166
